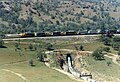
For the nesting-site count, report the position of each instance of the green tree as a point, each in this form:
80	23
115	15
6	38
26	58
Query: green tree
116	39
82	13
16	45
30	47
49	46
108	63
119	51
57	22
40	56
98	54
81	47
52	17
35	47
116	45
107	41
29	20
31	62
95	18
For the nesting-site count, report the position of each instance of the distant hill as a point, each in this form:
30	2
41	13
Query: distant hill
58	15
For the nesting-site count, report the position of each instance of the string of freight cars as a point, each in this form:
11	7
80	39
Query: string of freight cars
56	33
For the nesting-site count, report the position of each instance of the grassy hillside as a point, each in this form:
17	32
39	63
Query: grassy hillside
39	73
102	70
17	62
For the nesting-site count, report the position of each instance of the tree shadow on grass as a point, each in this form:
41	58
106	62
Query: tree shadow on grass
32	50
33	65
3	47
99	59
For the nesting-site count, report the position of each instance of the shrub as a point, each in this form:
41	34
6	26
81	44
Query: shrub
107	49
1	43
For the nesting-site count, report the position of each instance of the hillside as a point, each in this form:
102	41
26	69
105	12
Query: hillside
58	15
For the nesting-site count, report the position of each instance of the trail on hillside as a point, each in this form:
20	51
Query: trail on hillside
114	58
13	63
17	74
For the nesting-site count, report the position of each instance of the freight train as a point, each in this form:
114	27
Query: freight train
39	34
45	34
57	33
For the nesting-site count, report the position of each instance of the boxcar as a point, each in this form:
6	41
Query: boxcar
41	34
56	33
71	33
